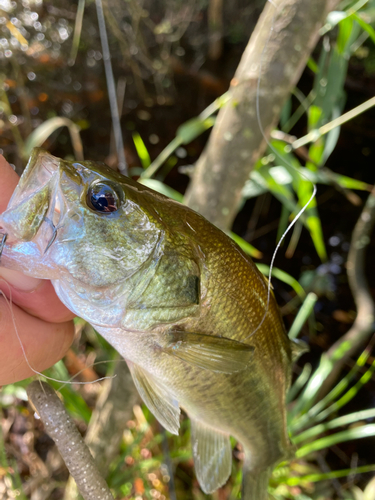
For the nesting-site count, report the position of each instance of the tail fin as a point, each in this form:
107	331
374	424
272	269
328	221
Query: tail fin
255	483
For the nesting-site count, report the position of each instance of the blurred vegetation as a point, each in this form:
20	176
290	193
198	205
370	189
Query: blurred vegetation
171	76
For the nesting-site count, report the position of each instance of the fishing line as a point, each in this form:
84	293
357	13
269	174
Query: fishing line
297	217
9	303
96	363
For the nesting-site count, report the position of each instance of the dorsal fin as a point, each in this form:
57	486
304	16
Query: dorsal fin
212	454
157	398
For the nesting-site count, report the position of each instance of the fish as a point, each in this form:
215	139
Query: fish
174	295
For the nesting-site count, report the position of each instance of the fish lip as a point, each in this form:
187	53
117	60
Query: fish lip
37	157
40	172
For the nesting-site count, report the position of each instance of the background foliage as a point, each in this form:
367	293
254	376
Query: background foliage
171	76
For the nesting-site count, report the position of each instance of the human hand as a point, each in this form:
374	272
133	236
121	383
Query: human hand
43	323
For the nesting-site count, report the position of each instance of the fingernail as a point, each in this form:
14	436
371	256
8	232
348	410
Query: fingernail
18	280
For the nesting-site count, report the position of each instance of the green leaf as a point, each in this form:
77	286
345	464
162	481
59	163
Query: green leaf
245	246
337	422
339	437
141	150
316	232
313	478
316	151
334	17
333	135
300	414
284	221
286	112
314	116
162	188
47	128
161	158
282	192
77	32
348	396
303	314
252	188
365	26
335	79
345	34
348	182
194	128
294	239
315	413
311	64
299	383
284	277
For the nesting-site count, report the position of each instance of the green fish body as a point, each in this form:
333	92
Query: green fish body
174	295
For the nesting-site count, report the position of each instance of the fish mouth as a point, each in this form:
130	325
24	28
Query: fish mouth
34	201
39	170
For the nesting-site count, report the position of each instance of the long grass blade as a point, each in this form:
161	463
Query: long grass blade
299	383
314	135
141	150
348	396
324	408
365	26
339	437
303	314
47	128
245	246
199	125
162	188
333	424
314	478
77	32
284	277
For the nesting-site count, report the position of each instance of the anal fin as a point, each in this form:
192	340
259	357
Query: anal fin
212	454
157	398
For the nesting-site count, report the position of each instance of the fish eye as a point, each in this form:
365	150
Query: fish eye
103	198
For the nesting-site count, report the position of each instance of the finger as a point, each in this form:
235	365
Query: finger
9	180
35	296
44	343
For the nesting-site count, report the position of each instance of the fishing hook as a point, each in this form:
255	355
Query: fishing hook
53	237
54	234
2	243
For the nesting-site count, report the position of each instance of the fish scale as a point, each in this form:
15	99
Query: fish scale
187	309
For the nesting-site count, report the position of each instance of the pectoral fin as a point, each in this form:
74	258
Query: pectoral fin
157	398
298	348
209	352
212	456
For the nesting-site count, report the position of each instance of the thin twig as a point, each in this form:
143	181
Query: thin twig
314	135
122	165
363	325
72	448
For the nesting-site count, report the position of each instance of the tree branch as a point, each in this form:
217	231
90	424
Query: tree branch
72	448
278	50
363	326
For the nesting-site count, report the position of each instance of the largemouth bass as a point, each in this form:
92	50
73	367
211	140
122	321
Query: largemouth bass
174	295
